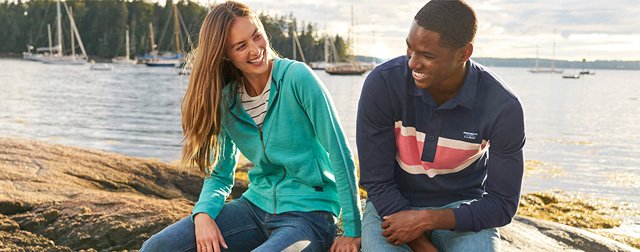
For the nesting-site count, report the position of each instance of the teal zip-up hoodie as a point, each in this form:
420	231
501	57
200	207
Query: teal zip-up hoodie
301	159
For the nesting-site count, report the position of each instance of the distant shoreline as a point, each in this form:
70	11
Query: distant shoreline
490	62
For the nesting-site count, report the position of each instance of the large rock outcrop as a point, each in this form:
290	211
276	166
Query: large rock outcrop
60	198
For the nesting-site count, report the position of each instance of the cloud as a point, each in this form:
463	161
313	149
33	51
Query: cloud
507	28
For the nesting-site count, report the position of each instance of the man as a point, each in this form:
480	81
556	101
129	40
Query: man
440	141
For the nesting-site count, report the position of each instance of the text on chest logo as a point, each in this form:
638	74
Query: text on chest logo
469	135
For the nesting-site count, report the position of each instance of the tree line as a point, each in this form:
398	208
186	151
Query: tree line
102	25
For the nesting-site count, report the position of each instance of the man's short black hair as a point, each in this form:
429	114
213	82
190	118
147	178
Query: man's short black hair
454	20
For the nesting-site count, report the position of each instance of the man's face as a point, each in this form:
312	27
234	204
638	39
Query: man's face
431	63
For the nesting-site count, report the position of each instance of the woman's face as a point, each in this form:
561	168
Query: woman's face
247	46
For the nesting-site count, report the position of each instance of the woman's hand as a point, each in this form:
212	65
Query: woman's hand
346	244
208	236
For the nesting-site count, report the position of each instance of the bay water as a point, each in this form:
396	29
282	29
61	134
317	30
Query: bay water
583	136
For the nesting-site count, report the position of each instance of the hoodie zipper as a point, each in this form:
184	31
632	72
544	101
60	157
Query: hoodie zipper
275	196
275	188
264	150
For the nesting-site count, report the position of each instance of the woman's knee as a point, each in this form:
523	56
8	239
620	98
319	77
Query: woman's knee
154	243
179	236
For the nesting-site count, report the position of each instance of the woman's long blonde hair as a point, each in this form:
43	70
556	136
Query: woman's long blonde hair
202	106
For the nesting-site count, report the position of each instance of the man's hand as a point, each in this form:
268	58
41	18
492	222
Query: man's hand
346	244
208	235
405	226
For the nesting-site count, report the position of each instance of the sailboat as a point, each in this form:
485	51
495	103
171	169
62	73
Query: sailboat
40	52
552	69
127	58
538	69
342	68
167	60
321	65
586	72
59	58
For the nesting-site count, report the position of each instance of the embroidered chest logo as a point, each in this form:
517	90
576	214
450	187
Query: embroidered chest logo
469	135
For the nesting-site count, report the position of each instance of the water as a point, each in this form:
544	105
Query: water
133	110
583	130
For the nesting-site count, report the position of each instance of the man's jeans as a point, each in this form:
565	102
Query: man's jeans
444	240
245	227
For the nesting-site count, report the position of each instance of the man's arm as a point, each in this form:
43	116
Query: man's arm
375	139
504	176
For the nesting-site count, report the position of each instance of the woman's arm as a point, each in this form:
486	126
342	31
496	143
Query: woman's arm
217	187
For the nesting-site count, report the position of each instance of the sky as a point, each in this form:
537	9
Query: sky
591	29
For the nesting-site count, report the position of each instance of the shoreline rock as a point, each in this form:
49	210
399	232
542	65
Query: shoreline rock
60	198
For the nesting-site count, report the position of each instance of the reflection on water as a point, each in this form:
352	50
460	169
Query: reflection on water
132	110
584	130
585	126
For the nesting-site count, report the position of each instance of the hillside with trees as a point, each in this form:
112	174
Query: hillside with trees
102	25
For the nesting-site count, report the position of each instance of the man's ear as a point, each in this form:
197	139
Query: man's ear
465	52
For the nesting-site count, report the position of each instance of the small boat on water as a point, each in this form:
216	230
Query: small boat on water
163	61
101	67
65	60
345	69
571	76
545	70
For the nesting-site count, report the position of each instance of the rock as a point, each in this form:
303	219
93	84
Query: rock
59	198
14	239
528	234
85	199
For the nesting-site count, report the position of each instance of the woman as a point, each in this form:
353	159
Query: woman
279	115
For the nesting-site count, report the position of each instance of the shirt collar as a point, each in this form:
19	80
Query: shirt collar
467	95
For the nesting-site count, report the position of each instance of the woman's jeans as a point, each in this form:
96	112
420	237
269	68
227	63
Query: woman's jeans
245	227
444	240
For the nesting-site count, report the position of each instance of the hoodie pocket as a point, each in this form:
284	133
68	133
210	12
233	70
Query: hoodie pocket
311	174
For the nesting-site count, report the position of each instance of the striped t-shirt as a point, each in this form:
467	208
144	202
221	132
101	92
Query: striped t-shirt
256	106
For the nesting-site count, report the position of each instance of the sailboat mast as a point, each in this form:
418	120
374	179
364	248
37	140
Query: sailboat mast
293	40
326	48
49	32
73	45
176	29
126	42
553	55
537	56
59	27
353	38
74	30
152	39
297	42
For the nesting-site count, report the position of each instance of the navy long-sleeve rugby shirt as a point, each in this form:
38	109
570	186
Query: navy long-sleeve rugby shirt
414	153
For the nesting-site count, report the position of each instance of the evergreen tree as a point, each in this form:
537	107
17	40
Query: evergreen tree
102	25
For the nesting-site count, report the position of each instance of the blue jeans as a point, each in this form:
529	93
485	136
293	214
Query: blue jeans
245	227
444	240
